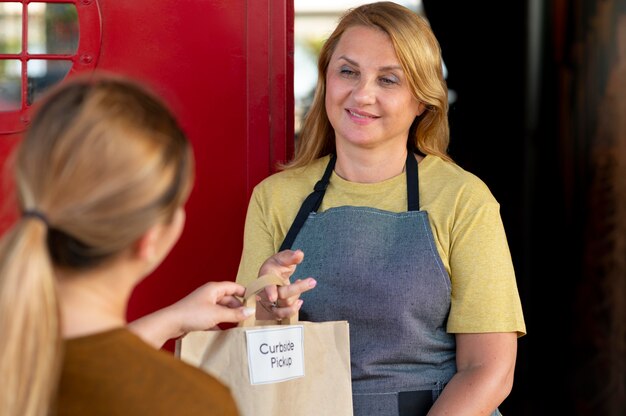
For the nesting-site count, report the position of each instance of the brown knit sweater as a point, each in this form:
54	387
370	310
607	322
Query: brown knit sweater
116	373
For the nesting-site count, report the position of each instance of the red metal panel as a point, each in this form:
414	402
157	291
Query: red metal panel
282	99
225	67
8	209
192	53
270	55
258	158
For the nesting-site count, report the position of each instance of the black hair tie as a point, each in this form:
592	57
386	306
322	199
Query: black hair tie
32	213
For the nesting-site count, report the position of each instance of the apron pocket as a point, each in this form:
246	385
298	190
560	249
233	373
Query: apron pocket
414	403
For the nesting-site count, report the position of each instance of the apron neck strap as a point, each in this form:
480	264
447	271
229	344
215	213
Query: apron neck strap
314	200
310	204
412	183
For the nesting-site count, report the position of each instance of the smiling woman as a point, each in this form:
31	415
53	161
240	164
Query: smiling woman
368	101
313	23
419	266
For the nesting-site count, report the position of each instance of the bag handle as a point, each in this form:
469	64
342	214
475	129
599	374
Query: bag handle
249	300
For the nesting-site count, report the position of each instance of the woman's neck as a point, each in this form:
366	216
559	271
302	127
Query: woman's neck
366	166
95	301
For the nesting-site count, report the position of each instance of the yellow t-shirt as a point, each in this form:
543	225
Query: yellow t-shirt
464	217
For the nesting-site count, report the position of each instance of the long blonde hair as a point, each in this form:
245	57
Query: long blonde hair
102	161
420	56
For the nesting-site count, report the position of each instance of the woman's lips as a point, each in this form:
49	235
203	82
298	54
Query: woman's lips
360	117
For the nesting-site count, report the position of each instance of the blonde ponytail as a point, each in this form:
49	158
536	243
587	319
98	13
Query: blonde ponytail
29	321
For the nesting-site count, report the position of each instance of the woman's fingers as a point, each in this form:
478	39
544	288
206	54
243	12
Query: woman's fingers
287	311
218	290
221	314
280	302
271	293
282	263
287	295
229	301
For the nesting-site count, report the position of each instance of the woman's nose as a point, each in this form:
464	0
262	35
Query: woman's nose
364	92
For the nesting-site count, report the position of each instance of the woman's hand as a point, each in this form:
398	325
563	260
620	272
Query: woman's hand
280	302
203	309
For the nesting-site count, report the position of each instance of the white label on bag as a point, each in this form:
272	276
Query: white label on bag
275	354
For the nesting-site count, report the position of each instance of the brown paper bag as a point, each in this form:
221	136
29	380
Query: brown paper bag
293	368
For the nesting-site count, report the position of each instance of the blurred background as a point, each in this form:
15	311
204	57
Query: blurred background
537	110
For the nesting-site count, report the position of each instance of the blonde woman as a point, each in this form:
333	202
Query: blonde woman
102	176
419	266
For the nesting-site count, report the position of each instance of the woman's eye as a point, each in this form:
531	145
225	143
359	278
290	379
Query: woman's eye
388	80
347	72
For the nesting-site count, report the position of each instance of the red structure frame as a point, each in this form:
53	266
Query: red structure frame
85	58
225	67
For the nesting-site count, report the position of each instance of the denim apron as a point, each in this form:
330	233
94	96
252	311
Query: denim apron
381	272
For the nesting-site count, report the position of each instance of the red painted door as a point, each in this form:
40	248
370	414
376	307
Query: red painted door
226	69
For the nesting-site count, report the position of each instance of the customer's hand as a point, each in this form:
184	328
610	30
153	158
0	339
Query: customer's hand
203	309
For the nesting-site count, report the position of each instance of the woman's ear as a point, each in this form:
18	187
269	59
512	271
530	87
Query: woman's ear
421	107
156	243
146	247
